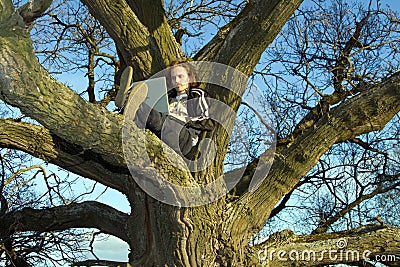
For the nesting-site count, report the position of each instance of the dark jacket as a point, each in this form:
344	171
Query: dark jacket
180	135
197	108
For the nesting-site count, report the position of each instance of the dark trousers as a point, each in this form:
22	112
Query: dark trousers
170	130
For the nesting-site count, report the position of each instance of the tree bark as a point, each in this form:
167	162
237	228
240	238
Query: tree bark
6	9
86	139
370	242
241	42
141	34
40	143
76	215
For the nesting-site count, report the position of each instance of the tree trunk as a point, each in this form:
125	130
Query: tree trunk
86	139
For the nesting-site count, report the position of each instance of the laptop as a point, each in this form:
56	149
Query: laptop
157	96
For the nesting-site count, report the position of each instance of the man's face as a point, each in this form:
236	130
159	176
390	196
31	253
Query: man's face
180	79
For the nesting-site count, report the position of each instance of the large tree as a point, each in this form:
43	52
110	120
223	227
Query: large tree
79	134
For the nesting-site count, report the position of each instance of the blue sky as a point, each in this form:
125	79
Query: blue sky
395	4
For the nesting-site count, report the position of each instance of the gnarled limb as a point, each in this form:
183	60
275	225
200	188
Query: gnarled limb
241	42
366	112
144	41
89	214
40	143
370	242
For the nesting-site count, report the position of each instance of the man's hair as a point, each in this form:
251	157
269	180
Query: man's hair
189	69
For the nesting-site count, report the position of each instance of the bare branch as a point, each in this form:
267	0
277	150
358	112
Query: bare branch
322	228
88	214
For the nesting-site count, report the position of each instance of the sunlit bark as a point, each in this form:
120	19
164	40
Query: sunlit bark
86	139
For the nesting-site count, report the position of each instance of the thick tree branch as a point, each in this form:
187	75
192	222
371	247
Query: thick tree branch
369	242
33	10
53	104
40	143
130	36
144	40
88	214
6	9
152	14
318	111
366	112
241	42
